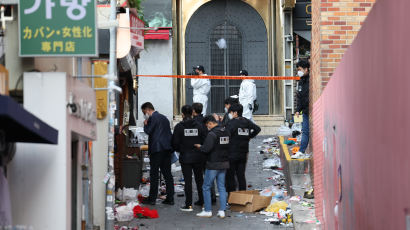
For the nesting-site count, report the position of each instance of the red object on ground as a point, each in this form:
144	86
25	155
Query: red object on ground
144	212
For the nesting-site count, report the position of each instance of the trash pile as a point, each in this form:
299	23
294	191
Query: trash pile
127	205
271	151
279	210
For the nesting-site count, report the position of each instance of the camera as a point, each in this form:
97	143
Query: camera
193	72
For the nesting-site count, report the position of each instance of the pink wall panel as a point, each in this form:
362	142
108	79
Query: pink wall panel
366	109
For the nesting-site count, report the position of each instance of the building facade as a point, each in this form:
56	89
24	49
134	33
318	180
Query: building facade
259	38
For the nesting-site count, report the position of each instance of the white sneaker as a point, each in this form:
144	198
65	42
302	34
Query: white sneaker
204	214
298	155
221	214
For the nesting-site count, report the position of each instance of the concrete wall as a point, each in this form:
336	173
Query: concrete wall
156	59
100	164
363	115
38	172
40	175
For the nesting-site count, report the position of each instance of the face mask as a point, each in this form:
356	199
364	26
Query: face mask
226	110
301	73
230	116
146	116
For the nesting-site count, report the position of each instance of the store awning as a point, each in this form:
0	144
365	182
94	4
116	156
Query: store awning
306	34
162	33
20	125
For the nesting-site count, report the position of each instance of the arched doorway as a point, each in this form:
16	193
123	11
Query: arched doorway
246	39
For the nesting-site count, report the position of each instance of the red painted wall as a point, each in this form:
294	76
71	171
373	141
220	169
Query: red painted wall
363	116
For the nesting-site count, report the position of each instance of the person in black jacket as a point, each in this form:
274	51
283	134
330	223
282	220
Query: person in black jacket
159	133
216	147
187	133
242	130
302	99
223	121
197	115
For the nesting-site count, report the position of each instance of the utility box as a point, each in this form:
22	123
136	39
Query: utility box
248	201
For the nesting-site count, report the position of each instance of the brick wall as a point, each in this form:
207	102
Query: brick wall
335	25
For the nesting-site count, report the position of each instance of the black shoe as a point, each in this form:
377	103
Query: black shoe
168	202
187	208
148	201
199	203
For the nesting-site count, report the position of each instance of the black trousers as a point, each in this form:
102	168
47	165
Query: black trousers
161	160
235	172
199	180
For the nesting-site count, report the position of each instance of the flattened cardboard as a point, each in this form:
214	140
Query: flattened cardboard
248	201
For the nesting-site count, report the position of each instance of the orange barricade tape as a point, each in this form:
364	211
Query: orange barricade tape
225	77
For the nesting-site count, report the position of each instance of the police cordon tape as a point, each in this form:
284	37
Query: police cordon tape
224	77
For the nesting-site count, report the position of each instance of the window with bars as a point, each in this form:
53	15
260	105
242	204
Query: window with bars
225	60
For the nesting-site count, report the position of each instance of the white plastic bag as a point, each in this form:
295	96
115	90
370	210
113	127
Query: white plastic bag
272	162
129	194
284	131
124	213
144	190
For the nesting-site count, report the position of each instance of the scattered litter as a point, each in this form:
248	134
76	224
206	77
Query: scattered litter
275	207
129	194
144	212
272	163
175	168
271	219
289	142
284	131
266	213
295	198
124	213
144	190
179	188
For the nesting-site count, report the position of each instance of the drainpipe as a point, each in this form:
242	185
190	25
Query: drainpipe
112	77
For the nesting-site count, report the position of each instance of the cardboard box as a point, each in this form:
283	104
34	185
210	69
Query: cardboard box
248	201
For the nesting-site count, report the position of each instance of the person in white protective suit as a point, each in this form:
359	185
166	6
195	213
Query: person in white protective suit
201	88
247	95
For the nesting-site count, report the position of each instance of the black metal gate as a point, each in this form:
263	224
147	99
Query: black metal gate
242	44
226	59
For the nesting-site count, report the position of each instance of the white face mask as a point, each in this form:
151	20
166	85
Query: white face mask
230	116
301	73
146	116
226	110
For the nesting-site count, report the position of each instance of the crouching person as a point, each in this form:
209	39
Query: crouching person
216	147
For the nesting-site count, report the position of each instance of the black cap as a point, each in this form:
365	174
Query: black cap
201	68
243	72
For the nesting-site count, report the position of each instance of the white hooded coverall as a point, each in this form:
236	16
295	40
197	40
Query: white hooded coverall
201	91
247	95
